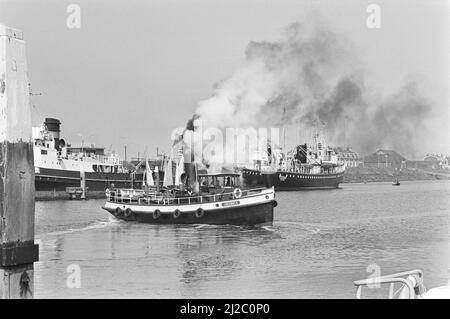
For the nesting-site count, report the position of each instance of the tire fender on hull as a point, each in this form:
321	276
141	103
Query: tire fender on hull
199	213
156	214
128	212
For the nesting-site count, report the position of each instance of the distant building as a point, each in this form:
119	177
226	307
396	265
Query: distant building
348	156
430	161
385	159
436	161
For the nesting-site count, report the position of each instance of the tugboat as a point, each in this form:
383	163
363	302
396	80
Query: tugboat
308	166
193	196
219	201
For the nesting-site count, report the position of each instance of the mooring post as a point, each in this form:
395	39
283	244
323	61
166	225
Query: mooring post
17	248
83	184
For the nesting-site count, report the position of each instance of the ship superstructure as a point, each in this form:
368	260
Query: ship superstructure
306	166
58	165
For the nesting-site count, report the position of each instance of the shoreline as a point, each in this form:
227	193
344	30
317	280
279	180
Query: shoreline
44	196
353	175
370	175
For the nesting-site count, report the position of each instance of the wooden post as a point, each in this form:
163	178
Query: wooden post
17	248
83	184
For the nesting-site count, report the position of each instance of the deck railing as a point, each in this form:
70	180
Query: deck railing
392	280
141	197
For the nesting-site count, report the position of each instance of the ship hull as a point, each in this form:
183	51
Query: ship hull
252	211
292	181
257	215
47	179
246	215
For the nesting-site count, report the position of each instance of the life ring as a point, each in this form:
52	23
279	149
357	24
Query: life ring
117	211
176	213
237	193
107	193
199	213
128	212
156	214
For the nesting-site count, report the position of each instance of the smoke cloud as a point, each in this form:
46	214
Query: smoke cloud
312	75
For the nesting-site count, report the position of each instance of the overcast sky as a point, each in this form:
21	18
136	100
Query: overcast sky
137	69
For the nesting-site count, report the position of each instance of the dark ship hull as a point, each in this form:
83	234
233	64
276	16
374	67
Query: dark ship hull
57	180
254	207
255	215
292	181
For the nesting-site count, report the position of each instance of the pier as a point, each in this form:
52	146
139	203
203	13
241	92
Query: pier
18	251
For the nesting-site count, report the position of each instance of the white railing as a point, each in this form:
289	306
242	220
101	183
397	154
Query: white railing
321	171
95	159
140	197
409	280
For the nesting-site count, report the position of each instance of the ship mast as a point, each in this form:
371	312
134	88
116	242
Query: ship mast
284	130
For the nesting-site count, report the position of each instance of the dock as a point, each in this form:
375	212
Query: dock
18	251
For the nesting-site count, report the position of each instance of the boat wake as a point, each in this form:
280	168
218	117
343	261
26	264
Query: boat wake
95	225
269	228
235	227
312	228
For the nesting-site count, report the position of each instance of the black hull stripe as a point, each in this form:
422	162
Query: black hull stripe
253	215
293	180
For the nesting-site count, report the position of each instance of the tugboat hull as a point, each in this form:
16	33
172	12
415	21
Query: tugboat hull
292	181
251	211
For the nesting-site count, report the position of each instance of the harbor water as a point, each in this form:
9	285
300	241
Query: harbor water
320	242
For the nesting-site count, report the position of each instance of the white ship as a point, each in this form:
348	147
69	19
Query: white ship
58	165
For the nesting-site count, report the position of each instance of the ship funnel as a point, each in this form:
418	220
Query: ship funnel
53	127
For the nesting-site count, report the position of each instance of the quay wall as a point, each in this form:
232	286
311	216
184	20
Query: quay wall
62	195
352	175
370	174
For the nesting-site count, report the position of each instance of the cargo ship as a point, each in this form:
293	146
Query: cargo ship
58	165
308	166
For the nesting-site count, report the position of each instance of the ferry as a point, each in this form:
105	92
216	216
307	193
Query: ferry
58	165
308	166
219	201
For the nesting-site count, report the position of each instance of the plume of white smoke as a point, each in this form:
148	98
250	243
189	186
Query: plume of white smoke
313	75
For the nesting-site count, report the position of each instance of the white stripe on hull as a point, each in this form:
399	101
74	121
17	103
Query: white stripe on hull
266	196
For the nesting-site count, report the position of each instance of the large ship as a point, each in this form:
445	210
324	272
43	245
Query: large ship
58	165
309	166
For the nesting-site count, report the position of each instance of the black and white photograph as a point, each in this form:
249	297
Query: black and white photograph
224	154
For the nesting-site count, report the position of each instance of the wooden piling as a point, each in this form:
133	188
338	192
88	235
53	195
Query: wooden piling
17	248
83	184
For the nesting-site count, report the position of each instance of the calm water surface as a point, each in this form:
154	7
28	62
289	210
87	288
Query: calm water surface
320	242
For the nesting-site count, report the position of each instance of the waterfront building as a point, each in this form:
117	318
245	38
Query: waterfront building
348	156
385	159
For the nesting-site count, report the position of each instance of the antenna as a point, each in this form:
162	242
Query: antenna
30	90
284	130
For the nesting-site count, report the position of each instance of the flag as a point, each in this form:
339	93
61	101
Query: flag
168	176
179	171
149	175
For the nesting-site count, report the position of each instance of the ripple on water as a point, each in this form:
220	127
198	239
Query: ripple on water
319	243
